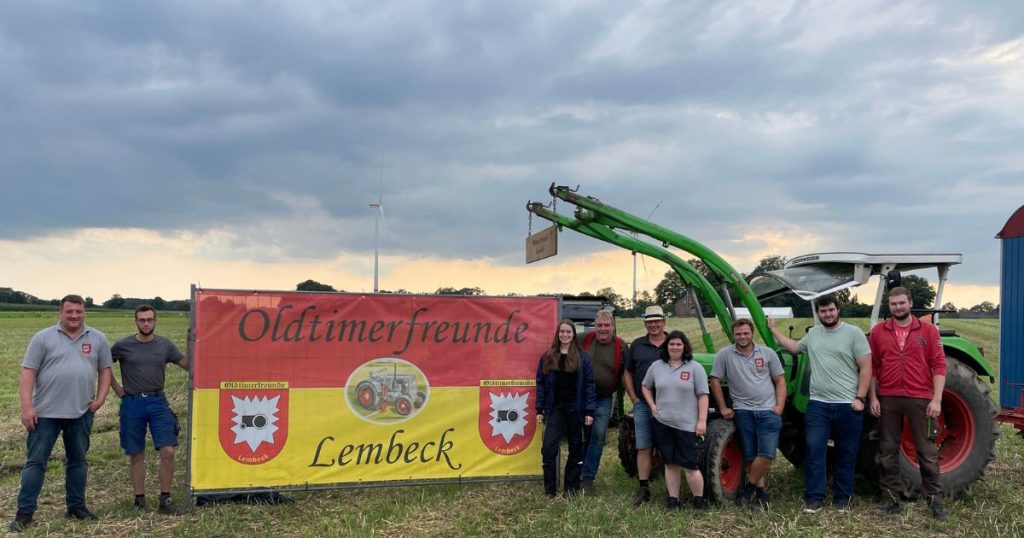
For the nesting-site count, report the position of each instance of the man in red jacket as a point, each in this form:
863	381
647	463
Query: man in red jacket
909	370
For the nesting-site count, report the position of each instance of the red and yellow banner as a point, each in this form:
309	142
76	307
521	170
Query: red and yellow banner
308	389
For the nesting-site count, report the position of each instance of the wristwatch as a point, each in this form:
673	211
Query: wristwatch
862	399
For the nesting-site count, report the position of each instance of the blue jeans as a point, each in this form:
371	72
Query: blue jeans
642	428
40	443
594	438
759	433
842	424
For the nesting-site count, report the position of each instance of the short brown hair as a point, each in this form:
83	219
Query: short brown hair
743	321
144	308
900	290
73	299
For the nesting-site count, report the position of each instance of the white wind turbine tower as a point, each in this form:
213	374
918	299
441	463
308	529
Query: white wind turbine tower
379	206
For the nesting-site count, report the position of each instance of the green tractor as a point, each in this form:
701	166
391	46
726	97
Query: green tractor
967	426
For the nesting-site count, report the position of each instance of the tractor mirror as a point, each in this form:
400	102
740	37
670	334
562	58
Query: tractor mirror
893	279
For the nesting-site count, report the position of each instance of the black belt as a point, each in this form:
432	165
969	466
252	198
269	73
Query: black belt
145	394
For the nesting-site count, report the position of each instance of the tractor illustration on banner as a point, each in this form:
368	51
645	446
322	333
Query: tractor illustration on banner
387	390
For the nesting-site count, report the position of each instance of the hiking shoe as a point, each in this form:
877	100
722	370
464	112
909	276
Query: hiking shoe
672	504
700	505
642	495
761	496
888	507
168	508
938	510
21	521
813	507
80	513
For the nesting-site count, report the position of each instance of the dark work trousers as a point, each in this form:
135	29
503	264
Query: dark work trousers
894	408
564	420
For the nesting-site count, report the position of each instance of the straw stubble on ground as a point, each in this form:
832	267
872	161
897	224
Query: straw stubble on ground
512	509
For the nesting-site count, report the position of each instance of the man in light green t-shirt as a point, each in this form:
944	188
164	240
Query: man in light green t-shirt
840	363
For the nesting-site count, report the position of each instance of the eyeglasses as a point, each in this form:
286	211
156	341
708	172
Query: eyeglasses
150	320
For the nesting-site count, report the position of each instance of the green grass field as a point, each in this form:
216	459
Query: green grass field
993	508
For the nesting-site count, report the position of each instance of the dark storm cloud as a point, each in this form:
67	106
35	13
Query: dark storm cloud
271	120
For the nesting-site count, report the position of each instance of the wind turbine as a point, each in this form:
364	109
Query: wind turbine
379	206
637	236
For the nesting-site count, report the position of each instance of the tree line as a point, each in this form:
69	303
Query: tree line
667	294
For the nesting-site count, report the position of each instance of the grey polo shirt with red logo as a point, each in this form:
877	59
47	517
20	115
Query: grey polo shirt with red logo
749	376
66	370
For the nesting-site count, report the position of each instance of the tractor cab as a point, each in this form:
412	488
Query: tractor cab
814	275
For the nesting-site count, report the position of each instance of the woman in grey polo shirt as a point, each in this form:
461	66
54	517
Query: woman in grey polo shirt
676	389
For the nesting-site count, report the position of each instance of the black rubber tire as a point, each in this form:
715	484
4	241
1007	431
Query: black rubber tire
964	382
421	398
362	387
627	444
719	434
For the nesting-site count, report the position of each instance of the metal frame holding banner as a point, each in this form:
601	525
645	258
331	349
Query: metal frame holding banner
302	391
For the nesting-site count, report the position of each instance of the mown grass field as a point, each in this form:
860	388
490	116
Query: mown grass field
995	508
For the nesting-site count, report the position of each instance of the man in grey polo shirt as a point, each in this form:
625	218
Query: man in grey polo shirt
59	396
757	386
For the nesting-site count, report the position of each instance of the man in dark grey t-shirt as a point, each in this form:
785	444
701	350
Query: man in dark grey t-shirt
143	357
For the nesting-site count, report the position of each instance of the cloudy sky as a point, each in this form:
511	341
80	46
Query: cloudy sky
148	146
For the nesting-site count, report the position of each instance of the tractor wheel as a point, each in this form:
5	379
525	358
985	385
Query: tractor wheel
967	434
723	461
367	395
403	405
627	444
421	398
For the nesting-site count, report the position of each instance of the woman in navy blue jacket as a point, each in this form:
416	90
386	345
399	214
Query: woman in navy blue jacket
566	399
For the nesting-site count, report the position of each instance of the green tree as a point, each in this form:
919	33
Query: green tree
614	298
459	291
984	307
313	285
115	301
670	290
920	290
772	262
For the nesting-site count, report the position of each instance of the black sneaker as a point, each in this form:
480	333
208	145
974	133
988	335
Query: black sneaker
888	507
80	513
642	495
938	509
168	508
700	505
813	507
672	504
21	521
743	498
139	503
588	486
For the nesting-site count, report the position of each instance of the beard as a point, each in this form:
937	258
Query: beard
147	332
830	325
901	317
